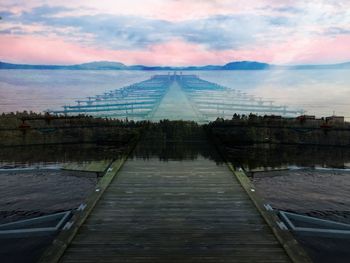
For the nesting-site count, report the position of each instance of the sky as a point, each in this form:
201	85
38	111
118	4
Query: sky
175	32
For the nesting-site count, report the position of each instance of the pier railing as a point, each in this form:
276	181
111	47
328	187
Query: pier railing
140	101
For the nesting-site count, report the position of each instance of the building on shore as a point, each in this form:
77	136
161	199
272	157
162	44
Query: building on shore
335	119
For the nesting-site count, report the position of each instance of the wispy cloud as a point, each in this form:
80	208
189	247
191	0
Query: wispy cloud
337	31
228	27
131	32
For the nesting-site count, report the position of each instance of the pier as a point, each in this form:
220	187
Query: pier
175	96
152	208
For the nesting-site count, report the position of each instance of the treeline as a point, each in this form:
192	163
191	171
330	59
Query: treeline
36	128
175	140
174	130
23	128
28	128
249	129
40	120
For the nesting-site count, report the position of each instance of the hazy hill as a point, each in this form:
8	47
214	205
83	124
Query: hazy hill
246	65
235	65
101	65
327	66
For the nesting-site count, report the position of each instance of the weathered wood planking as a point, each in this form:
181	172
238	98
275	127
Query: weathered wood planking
175	211
92	166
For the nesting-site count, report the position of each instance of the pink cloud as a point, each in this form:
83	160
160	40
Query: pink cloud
30	49
41	50
308	50
327	50
171	10
300	42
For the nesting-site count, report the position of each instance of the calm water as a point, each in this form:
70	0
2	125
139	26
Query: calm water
319	92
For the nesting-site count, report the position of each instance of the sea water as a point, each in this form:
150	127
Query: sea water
318	92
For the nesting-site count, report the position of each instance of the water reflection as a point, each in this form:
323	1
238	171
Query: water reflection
56	154
167	150
277	156
250	156
295	88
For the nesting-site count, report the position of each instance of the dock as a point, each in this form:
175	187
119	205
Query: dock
196	209
175	96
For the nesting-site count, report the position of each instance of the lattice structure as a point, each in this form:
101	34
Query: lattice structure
136	101
209	100
213	100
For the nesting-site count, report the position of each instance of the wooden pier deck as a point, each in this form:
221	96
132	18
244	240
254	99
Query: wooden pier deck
175	211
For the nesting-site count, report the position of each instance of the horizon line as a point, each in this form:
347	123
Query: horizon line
175	66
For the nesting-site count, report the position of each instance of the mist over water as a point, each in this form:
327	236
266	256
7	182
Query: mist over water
319	92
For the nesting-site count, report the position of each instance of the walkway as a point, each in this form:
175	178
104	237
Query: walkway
175	106
175	211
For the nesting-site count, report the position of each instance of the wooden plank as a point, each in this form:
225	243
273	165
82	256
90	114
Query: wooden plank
191	211
91	166
60	244
295	252
175	211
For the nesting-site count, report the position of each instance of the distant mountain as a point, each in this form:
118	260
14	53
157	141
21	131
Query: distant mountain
4	65
327	66
236	65
101	65
246	65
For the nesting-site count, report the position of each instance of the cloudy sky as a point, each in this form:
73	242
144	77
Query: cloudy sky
175	32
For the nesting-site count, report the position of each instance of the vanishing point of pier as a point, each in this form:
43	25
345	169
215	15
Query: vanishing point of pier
193	209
